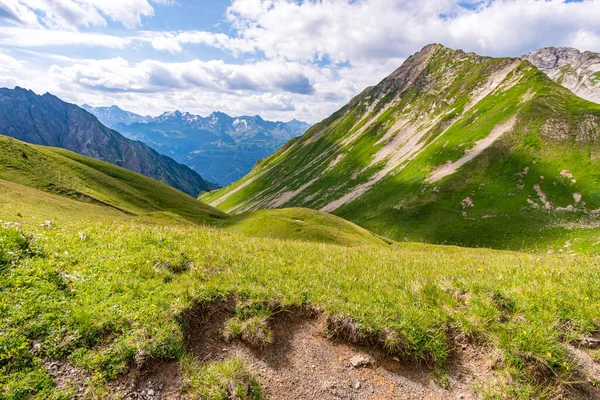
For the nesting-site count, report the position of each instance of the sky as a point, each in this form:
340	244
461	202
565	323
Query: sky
281	59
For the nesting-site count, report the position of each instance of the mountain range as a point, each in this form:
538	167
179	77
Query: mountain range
115	285
113	115
220	148
49	121
453	148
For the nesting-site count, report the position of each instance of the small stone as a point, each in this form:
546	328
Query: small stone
150	392
359	361
161	386
357	385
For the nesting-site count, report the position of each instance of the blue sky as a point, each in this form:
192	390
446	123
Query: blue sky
281	59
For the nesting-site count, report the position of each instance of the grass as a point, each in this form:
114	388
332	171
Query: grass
101	292
71	175
219	380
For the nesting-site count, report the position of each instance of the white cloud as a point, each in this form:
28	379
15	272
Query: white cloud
26	37
118	74
70	14
378	29
308	57
173	41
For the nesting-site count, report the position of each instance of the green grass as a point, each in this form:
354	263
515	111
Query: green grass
71	175
219	380
301	224
106	293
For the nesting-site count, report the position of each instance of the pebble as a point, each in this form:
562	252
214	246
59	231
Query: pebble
357	385
359	361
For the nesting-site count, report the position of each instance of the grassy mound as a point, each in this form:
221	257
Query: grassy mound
300	224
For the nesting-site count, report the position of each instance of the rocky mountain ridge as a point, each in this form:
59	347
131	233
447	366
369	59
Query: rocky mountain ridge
576	70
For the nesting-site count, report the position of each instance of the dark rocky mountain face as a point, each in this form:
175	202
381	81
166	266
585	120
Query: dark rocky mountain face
113	115
49	121
219	147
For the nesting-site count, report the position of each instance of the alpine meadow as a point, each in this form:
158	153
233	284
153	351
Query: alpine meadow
431	232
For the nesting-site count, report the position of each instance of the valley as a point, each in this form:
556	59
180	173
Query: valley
437	237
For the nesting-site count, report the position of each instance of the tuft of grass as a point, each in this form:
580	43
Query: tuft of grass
229	379
254	331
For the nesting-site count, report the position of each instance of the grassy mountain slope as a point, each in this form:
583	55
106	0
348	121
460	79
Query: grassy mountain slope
451	148
71	175
49	121
113	191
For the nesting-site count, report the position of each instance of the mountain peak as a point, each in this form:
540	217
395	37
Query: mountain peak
420	155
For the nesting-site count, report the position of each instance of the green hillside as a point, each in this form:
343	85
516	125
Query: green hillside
78	177
451	148
116	191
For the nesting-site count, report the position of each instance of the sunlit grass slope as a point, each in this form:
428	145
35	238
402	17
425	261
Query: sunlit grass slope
108	293
78	177
301	224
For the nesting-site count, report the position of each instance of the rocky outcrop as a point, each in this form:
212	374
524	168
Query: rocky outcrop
49	121
577	71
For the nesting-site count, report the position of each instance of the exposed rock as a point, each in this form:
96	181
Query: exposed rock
566	174
577	71
360	361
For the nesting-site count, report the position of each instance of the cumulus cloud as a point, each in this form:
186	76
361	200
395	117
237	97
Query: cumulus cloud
70	14
118	74
301	58
348	30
